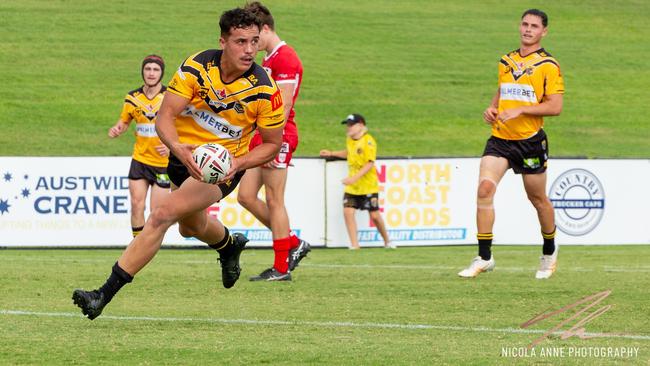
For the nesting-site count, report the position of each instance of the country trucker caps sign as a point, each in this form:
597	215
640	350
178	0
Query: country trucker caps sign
579	201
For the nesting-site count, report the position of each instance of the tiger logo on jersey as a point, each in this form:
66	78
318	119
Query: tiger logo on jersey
202	93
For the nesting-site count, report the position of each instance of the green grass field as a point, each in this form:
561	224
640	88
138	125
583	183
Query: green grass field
370	307
422	72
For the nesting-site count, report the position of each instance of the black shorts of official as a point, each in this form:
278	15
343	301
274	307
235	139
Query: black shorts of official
152	174
528	156
178	173
368	202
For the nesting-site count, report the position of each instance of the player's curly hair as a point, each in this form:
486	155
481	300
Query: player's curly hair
237	18
262	12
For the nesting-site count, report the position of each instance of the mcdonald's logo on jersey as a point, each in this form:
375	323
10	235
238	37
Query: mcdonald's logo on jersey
276	100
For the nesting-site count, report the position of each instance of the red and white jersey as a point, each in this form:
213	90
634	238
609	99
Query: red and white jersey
285	68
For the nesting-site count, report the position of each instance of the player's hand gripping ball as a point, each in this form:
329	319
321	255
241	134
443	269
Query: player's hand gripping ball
214	161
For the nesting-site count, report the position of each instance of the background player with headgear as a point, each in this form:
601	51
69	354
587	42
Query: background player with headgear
149	159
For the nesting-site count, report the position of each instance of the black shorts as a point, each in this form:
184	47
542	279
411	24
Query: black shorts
152	174
369	202
178	173
528	156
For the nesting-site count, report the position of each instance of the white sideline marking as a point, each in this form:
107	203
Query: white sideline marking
314	324
606	268
510	269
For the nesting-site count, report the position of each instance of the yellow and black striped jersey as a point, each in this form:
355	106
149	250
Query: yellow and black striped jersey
360	152
225	113
144	111
525	81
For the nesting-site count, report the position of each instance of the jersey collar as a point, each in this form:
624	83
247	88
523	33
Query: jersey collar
268	56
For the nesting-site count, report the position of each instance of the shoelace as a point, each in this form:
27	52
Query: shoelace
232	270
475	262
298	252
547	260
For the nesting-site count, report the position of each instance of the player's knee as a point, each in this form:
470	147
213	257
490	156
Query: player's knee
137	204
188	231
161	216
245	200
192	228
486	190
274	201
538	200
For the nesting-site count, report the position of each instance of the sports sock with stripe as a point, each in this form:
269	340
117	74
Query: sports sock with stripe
549	242
485	245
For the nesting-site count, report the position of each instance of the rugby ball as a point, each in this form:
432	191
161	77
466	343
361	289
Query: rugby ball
214	161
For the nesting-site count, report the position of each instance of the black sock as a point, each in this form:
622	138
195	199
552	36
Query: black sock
136	230
115	281
223	246
549	243
484	245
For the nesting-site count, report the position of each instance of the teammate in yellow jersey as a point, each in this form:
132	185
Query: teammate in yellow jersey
530	87
215	96
149	160
361	184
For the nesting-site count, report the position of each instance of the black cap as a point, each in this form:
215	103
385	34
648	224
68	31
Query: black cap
353	119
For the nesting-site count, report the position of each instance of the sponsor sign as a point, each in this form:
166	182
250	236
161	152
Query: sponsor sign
146	130
426	203
422	201
64	201
213	123
579	201
85	202
596	202
518	92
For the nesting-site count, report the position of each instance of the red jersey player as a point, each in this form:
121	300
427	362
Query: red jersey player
283	64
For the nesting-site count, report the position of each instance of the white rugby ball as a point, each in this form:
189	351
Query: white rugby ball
214	161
